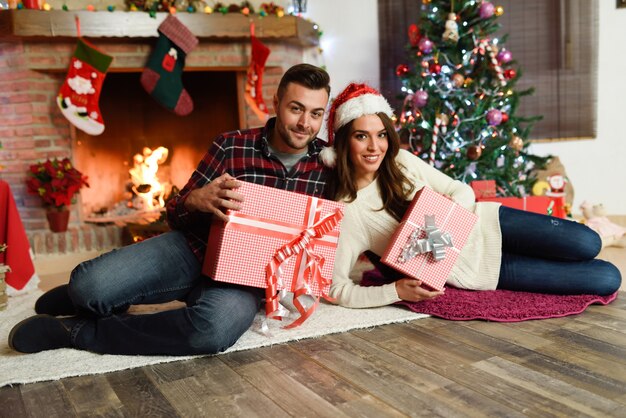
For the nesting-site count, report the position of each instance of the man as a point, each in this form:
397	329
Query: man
283	154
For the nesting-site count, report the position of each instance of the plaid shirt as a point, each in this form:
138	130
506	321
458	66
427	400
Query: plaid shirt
244	155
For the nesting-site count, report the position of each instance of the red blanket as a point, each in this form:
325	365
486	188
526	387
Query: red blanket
17	254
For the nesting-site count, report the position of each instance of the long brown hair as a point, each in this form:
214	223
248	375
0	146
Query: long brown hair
394	187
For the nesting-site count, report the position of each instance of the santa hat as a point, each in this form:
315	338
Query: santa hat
354	101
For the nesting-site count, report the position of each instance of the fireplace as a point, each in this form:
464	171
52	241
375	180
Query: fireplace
34	60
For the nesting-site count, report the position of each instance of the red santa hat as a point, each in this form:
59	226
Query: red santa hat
354	101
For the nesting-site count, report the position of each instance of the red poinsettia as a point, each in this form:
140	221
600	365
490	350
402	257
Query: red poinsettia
55	181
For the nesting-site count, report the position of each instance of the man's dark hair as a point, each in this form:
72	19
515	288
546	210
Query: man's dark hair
306	75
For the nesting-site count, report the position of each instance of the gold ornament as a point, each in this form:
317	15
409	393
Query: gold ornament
444	118
474	152
516	143
458	80
540	188
426	1
499	11
468	82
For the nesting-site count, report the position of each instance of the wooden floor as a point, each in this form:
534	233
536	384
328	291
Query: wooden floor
573	366
568	367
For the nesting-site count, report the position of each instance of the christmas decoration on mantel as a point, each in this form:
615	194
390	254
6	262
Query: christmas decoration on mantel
460	102
254	76
162	76
80	93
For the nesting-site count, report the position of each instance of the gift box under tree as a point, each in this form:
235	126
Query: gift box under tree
429	238
485	191
274	224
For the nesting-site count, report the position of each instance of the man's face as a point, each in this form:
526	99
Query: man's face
299	117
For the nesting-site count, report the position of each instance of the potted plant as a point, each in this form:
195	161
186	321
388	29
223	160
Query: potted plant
56	182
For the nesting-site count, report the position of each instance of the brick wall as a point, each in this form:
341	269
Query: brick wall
32	128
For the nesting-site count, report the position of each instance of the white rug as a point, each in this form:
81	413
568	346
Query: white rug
18	368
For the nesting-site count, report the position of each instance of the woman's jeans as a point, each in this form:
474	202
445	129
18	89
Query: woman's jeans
157	270
551	255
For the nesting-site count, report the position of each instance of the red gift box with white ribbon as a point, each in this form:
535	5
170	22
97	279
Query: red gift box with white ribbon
279	240
429	239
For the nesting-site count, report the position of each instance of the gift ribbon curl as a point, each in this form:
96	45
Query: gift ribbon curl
435	241
313	269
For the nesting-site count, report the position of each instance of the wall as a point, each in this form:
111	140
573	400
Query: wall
596	167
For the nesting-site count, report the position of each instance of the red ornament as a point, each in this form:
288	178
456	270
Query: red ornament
435	68
402	69
505	117
414	35
510	73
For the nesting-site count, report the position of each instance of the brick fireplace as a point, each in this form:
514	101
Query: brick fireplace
35	48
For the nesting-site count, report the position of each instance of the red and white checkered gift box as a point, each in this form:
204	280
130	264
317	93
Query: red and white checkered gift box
450	218
239	251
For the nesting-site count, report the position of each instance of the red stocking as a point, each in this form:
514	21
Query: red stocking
254	83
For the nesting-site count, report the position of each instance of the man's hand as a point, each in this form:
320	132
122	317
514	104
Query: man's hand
411	290
216	197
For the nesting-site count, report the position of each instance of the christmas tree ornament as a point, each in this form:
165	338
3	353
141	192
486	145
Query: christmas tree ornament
504	56
254	77
510	73
505	117
414	35
451	33
474	152
499	11
402	69
162	77
80	93
486	10
516	143
485	47
458	80
420	98
425	45
441	122
494	117
468	82
434	68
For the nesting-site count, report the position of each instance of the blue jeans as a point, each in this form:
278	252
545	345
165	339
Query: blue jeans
551	255
157	270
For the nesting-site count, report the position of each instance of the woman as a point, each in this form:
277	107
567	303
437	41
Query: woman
507	248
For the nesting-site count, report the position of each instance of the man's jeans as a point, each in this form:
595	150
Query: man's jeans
552	255
157	270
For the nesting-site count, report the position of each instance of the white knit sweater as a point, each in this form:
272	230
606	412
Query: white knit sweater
365	227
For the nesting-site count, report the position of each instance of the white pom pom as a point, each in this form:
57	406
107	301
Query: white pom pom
328	155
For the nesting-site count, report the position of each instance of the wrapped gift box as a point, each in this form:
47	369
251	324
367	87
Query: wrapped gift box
538	204
452	221
239	251
483	188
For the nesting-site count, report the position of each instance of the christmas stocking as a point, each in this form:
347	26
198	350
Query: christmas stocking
162	76
79	95
254	83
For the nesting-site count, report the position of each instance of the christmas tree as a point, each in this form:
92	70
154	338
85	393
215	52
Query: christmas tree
460	102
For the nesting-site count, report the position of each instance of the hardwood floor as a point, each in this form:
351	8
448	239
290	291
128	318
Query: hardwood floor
573	366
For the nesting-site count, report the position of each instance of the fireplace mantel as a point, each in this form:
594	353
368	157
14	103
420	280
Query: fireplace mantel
36	24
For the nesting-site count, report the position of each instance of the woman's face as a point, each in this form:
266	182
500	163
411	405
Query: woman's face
368	146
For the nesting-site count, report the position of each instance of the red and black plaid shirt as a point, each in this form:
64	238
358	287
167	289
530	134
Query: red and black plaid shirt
244	155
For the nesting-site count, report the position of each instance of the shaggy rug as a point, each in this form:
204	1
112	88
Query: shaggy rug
495	305
56	364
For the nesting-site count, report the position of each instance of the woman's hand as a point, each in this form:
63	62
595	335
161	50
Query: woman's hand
411	290
216	197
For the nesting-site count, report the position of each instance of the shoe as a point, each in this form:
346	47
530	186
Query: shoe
41	332
55	302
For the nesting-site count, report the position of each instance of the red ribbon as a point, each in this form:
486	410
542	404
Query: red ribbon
312	272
